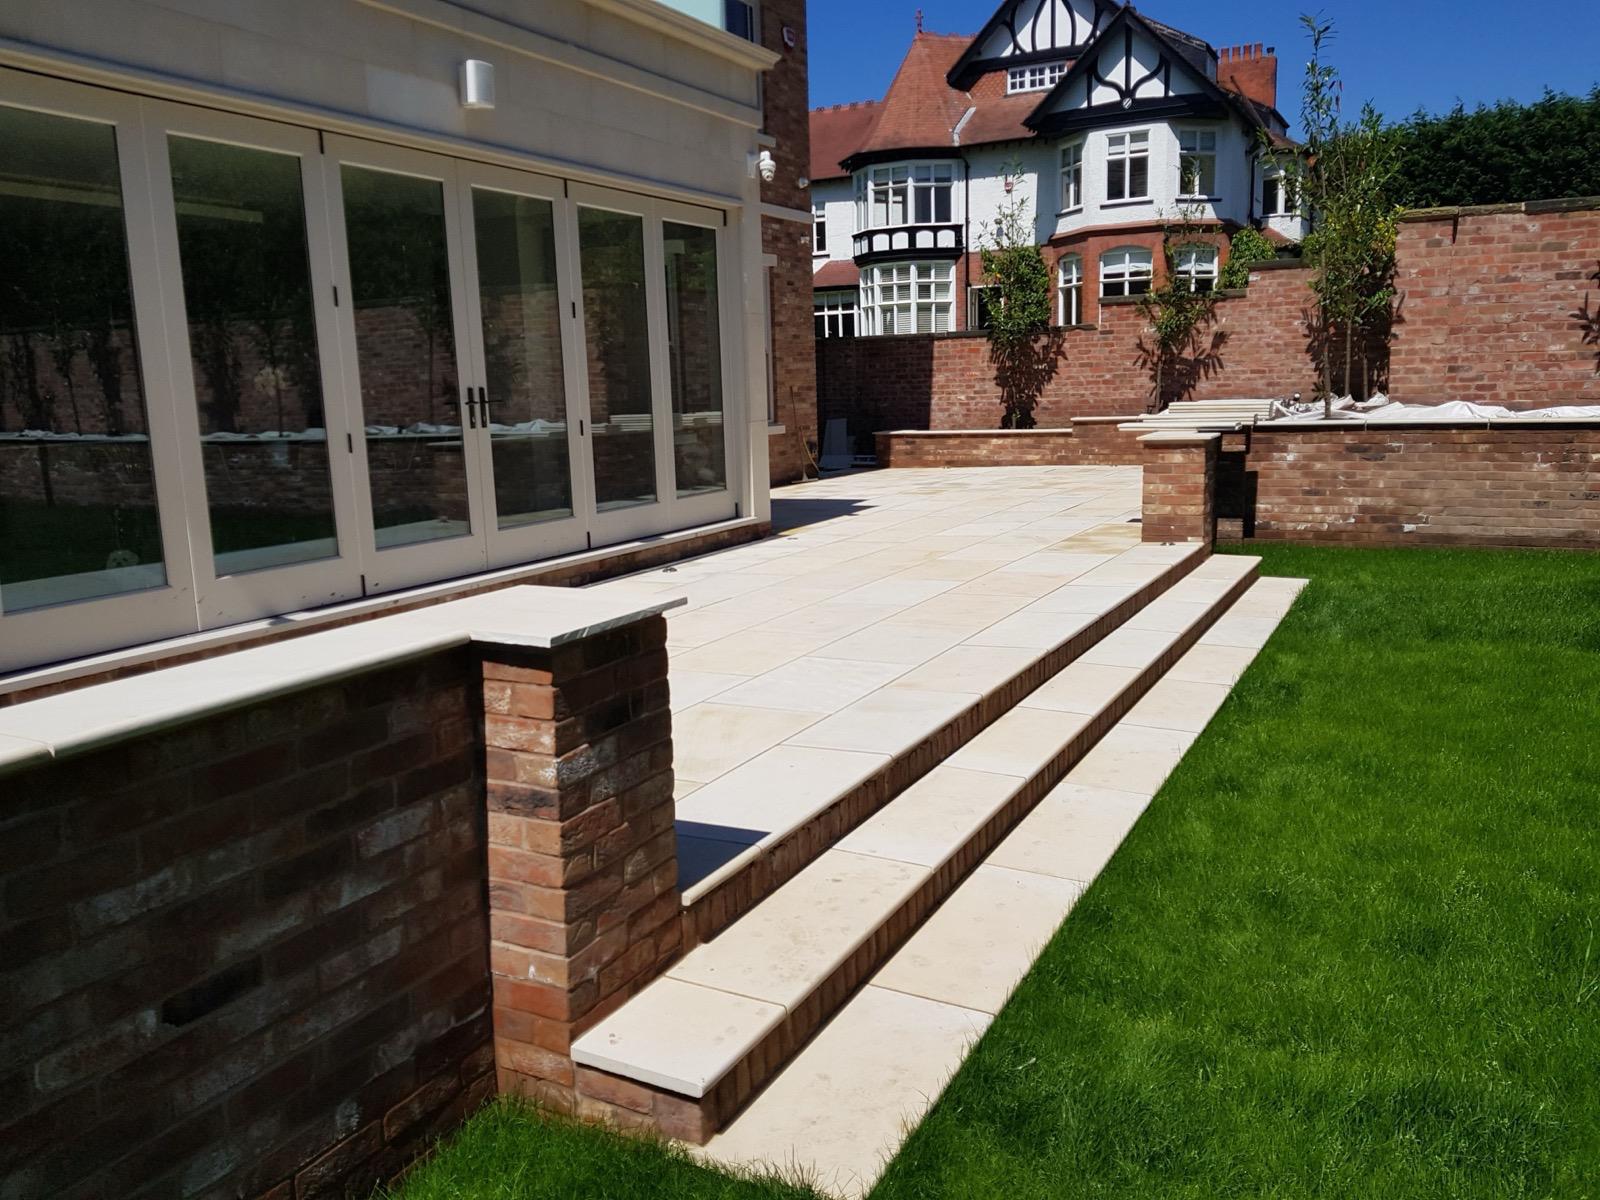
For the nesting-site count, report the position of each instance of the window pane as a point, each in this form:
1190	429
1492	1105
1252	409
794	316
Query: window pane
924	205
527	391
1138	176
77	490
941	203
253	341
617	327
694	343
406	355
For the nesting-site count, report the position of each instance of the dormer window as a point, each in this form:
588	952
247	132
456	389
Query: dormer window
1037	78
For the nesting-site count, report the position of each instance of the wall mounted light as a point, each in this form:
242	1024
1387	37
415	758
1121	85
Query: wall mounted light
477	84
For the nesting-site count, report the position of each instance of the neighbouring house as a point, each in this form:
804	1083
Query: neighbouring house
1111	124
310	302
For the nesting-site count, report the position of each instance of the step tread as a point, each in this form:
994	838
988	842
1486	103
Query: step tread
791	943
840	1108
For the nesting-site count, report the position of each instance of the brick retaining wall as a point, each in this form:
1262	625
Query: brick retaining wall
249	955
1093	441
1503	485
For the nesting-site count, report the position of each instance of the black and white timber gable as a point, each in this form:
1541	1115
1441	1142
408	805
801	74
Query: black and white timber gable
1132	70
1032	31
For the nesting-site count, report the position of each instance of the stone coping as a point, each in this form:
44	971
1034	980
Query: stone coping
101	714
1179	437
1530	207
1435	423
959	433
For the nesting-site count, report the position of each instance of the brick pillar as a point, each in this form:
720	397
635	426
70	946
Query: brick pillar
1180	475
583	872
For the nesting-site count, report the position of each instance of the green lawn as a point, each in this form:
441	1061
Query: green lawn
1352	951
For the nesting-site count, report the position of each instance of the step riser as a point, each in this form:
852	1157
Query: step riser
710	913
724	1100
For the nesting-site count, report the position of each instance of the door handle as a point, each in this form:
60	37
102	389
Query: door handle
483	406
466	405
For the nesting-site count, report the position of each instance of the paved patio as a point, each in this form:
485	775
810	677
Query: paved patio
891	594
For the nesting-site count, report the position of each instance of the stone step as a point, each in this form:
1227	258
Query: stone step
839	1110
750	830
724	1019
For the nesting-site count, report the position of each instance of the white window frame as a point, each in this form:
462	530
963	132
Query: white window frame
819	229
1284	187
1069	290
1072	176
1196	266
1124	267
1192	147
1122	151
833	305
912	181
1036	77
896	296
975	298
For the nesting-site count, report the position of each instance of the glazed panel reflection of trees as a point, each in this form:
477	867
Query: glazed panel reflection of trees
406	354
694	341
77	487
253	346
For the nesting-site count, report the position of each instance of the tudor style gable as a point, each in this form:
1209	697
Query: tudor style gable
1133	69
1029	31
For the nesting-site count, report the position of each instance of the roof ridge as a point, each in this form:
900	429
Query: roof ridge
845	104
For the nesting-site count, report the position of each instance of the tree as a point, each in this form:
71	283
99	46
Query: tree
1344	182
1175	313
1024	360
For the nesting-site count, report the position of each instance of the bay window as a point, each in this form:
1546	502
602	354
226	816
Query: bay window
1125	271
1069	274
1196	267
922	194
908	297
1278	198
1128	165
1197	162
1072	176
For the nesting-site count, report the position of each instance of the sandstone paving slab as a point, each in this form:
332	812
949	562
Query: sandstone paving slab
932	818
712	738
1072	833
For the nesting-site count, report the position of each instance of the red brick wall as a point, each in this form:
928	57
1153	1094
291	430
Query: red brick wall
1497	486
250	953
1496	304
788	120
948	381
1091	442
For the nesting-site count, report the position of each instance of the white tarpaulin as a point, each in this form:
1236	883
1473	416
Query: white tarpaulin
1380	408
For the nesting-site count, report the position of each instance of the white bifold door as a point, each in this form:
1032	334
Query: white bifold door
247	368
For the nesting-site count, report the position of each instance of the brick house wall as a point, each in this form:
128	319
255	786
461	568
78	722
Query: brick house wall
249	956
1260	340
785	91
1497	303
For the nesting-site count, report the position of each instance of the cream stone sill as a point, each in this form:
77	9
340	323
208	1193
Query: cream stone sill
774	430
689	29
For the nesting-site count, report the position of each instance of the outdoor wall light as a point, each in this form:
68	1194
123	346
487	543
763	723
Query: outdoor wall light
477	84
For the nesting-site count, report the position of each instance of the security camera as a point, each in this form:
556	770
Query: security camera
768	166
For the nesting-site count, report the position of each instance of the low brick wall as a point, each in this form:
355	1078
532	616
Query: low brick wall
249	956
1090	442
1485	485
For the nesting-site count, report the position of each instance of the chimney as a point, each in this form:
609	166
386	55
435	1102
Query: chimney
1250	71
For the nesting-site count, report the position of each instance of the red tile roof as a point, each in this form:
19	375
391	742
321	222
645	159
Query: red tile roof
921	110
837	131
837	275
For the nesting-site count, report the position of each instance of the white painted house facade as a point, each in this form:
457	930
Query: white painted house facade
1107	124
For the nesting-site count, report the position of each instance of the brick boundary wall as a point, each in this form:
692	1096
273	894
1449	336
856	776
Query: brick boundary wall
1496	303
1092	441
947	381
248	956
1495	485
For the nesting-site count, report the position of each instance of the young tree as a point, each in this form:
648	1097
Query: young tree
1176	312
1344	180
1020	313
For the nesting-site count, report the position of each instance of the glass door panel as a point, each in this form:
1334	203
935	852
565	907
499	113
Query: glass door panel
616	324
524	405
240	215
404	315
78	504
694	351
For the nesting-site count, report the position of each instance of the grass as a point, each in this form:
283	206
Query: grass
1352	950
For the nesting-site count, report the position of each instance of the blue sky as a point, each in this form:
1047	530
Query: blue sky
1400	54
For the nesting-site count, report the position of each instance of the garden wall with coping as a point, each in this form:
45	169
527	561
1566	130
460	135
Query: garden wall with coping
1511	483
1091	441
270	928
